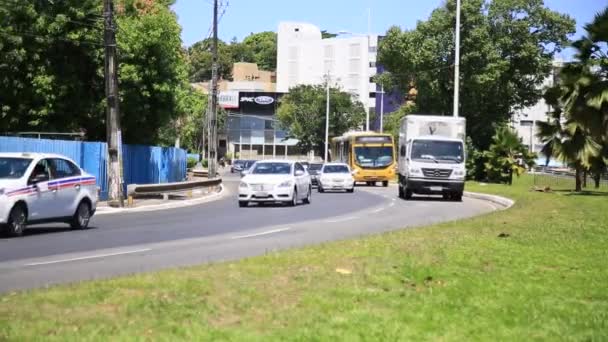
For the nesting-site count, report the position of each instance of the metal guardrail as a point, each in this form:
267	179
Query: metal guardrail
165	190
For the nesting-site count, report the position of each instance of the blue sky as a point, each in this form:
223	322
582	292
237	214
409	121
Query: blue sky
243	17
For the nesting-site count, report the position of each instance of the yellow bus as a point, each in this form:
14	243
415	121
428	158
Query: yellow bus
370	155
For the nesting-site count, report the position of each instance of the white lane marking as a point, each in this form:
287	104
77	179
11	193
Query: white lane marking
97	256
260	234
377	210
341	219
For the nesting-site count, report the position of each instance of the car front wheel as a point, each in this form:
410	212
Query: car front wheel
17	221
294	199
308	198
82	216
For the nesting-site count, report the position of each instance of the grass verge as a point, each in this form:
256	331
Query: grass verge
536	271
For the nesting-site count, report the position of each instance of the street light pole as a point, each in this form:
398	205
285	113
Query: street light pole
457	61
327	78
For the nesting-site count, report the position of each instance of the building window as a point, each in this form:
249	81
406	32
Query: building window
329	52
354	65
372	95
525	123
355	50
372	64
372	49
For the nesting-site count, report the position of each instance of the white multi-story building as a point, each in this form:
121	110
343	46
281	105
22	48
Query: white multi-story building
304	57
524	121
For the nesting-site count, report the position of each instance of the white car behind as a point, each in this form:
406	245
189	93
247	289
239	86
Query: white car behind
336	176
275	181
41	188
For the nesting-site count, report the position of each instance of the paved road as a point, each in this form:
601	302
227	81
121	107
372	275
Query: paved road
133	242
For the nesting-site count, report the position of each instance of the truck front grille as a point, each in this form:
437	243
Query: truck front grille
437	173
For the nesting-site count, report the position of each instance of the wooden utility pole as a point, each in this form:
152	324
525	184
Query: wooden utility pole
213	119
113	133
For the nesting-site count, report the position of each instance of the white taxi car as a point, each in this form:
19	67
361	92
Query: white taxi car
275	181
40	188
336	176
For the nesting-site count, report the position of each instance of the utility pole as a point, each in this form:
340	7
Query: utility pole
382	109
457	61
213	119
113	133
327	79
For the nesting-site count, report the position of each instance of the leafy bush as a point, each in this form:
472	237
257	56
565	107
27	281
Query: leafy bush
191	163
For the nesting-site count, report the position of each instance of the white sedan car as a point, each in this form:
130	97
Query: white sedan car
336	176
41	188
275	181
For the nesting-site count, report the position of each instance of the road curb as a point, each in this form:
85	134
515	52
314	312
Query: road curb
502	202
162	206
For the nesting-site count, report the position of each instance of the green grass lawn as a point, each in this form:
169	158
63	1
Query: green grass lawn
537	271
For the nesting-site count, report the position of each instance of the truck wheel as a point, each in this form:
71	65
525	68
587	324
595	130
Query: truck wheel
401	194
457	197
408	194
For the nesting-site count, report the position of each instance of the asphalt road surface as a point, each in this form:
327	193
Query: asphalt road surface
125	243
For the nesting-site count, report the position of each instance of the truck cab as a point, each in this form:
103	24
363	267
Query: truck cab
432	163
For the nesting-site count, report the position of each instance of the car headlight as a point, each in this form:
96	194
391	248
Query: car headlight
415	170
243	185
286	184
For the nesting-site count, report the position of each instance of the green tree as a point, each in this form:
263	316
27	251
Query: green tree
507	47
152	69
262	48
507	156
302	113
577	131
392	120
200	58
52	62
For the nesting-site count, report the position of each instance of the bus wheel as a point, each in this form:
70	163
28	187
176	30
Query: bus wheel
385	184
401	195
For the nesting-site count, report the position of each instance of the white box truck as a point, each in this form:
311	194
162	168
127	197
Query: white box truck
432	156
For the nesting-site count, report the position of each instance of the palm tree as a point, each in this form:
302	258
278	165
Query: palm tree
577	131
566	139
507	156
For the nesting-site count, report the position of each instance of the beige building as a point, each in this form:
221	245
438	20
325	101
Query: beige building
245	77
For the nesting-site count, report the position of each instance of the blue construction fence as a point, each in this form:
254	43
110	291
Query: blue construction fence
141	164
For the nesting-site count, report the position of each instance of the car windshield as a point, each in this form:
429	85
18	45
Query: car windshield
335	169
13	168
434	151
315	167
271	169
374	156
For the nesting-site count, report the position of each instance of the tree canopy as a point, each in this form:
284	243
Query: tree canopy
507	47
259	48
302	113
52	61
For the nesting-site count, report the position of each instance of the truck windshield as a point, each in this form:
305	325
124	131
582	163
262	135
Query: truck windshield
373	156
13	168
435	151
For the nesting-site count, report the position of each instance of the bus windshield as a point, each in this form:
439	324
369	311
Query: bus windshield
366	156
435	151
